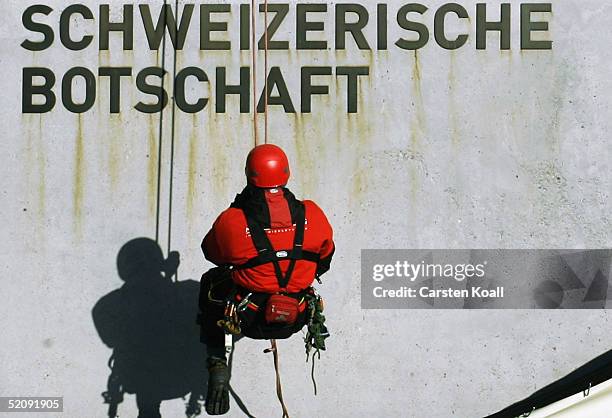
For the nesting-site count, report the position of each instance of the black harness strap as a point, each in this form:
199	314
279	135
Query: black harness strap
270	256
266	253
298	241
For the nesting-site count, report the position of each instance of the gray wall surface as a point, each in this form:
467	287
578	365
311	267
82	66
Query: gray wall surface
450	149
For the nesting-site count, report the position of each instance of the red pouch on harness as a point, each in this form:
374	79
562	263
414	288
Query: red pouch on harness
282	309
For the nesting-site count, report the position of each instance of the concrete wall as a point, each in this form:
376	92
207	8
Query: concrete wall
462	149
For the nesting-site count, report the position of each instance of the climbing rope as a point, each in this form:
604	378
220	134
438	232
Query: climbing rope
254	50
266	72
176	19
273	347
279	390
173	115
254	71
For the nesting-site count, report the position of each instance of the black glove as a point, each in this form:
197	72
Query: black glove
217	397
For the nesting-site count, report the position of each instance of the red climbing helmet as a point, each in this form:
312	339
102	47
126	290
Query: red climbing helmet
267	166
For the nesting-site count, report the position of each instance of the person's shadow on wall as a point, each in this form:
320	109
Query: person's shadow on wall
150	324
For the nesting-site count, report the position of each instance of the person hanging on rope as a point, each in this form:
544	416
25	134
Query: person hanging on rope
269	247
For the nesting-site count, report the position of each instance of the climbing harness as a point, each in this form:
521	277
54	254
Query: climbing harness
267	254
282	311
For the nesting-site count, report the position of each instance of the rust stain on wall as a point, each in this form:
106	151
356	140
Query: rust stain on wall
316	142
245	121
103	61
79	177
114	153
363	118
360	178
371	65
339	117
29	154
34	171
192	168
228	130
132	81
217	158
304	161
360	131
417	126
210	109
418	122
357	181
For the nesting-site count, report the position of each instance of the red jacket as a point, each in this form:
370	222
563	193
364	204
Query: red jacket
229	242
